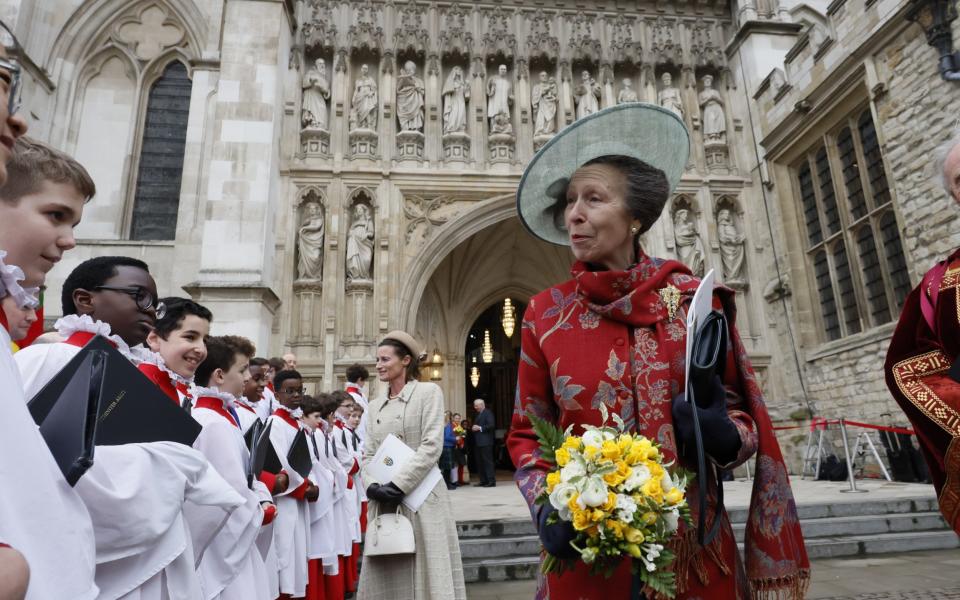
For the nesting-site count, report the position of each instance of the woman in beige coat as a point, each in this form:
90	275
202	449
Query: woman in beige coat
413	411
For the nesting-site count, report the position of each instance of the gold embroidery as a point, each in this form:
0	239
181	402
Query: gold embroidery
670	296
909	376
950	494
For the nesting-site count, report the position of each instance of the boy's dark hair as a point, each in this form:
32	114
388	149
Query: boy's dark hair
311	404
222	352
357	407
93	273
33	163
258	361
341	398
177	309
326	404
282	376
357	371
277	364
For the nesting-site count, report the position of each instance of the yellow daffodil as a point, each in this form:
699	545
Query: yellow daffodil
572	503
625	441
674	496
597	515
611	502
589	452
610	450
562	456
572	443
581	520
552	480
615	527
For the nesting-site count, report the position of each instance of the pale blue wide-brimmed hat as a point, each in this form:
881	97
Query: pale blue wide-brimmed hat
643	131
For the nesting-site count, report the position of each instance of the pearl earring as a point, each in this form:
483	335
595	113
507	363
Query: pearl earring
634	230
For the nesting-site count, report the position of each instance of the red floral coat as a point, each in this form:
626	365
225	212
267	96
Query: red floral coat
612	338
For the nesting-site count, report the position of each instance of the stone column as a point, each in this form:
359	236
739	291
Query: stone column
237	243
358	307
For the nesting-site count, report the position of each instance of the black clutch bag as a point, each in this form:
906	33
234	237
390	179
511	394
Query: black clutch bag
707	360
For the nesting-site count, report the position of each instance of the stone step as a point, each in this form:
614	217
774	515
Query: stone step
509	568
832	528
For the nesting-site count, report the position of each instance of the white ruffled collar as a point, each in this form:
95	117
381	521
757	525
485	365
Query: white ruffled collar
153	358
295	413
10	278
213	392
71	324
240	400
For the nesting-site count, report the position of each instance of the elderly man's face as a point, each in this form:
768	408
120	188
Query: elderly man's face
951	170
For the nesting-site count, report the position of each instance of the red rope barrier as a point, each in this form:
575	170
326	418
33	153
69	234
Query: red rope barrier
822	423
881	427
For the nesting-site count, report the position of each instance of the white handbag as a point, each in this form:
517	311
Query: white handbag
389	534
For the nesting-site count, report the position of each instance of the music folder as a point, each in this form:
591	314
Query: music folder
299	455
258	444
130	410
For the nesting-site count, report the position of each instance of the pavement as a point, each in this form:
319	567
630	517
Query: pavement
933	575
925	575
504	502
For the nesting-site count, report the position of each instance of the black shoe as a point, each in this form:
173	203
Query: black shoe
450	486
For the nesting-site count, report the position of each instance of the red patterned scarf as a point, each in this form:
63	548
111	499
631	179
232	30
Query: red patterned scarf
775	556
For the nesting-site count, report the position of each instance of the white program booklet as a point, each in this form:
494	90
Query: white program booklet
387	462
700	307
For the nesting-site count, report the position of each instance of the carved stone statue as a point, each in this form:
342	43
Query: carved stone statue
714	121
587	95
410	91
456	92
310	243
731	247
316	91
627	94
545	105
689	245
360	244
669	96
363	108
499	99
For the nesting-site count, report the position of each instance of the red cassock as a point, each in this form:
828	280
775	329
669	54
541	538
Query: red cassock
921	354
618	338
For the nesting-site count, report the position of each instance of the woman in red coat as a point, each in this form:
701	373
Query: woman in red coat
615	334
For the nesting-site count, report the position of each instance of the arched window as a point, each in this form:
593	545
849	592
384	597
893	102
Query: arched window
160	167
809	199
828	302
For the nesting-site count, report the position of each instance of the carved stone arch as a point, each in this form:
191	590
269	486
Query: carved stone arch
154	69
456	35
366	32
358	193
410	35
91	68
441	243
542	42
499	39
625	44
583	43
91	26
687	201
478	307
310	193
729	202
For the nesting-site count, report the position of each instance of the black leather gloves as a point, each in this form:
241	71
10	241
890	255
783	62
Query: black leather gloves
556	538
387	494
721	438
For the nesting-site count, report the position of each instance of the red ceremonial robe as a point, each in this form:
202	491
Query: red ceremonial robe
611	337
924	347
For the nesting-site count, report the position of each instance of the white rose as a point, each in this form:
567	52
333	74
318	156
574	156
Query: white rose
672	519
574	468
594	492
592	437
565	513
609	436
639	475
561	495
666	483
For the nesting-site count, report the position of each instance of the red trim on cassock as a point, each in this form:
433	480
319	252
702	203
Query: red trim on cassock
269	514
354	468
3	321
216	405
301	491
245	407
80	339
315	584
159	379
287	418
268	479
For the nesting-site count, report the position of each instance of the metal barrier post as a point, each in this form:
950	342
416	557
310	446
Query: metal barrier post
806	455
846	451
876	455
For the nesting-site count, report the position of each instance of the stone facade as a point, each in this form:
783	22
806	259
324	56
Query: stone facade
446	244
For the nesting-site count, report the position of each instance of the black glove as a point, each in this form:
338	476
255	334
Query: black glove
387	494
721	438
556	538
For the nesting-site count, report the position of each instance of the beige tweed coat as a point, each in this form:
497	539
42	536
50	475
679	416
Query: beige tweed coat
435	571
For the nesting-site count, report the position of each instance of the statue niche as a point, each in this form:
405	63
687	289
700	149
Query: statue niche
499	102
732	247
410	97
310	241
360	244
314	112
690	250
455	93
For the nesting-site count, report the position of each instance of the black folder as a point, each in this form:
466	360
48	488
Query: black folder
271	462
70	427
258	442
131	409
299	455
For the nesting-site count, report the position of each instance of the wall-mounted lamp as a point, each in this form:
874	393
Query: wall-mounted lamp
935	16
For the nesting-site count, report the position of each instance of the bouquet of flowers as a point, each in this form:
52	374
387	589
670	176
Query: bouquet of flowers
621	498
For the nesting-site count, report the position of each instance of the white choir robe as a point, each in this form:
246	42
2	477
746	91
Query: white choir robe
345	505
41	516
135	495
232	567
350	461
291	528
323	544
247	414
268	403
360	398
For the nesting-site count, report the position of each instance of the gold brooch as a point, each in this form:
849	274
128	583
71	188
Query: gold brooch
671	298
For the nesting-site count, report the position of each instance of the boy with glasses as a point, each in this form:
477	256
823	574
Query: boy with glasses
291	535
136	494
